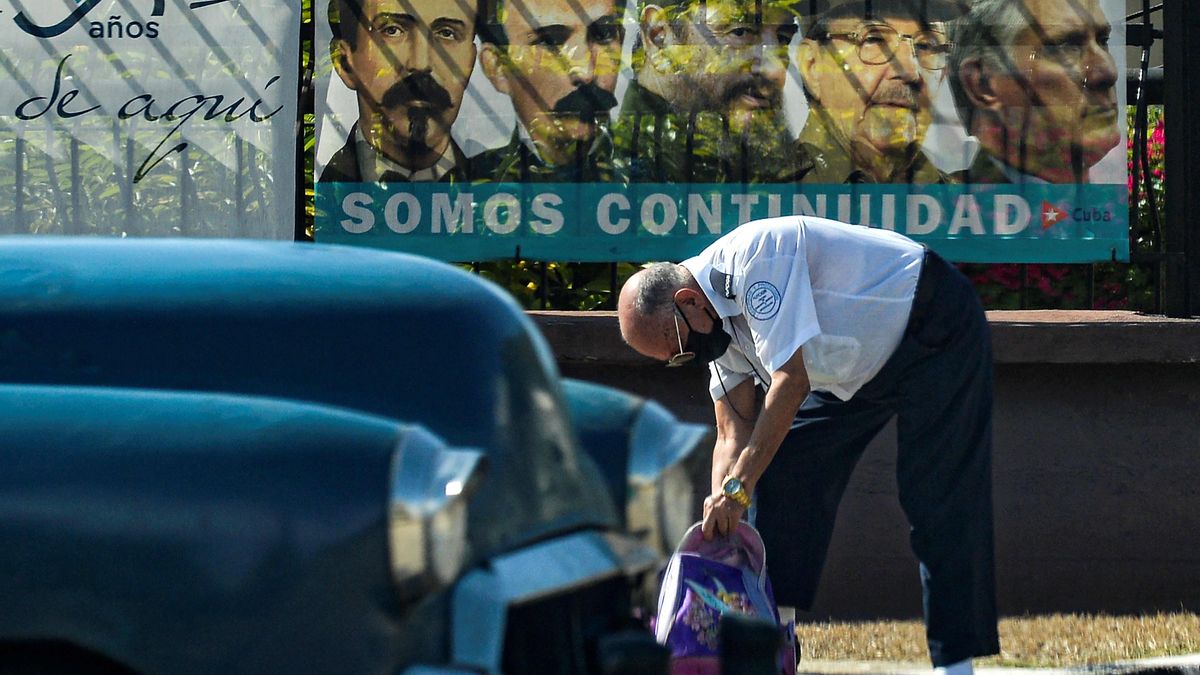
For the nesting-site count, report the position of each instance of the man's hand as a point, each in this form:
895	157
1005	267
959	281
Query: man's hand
721	515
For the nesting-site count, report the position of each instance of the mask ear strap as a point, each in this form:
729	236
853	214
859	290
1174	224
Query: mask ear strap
766	387
678	335
685	320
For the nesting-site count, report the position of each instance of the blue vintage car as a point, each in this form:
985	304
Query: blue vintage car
259	457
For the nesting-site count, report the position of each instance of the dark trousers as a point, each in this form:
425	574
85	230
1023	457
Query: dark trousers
939	385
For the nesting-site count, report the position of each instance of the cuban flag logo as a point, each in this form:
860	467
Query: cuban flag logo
1052	215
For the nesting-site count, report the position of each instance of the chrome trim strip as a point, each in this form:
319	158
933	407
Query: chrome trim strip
481	601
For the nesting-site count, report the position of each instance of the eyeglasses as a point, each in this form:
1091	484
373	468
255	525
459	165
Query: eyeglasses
682	357
1069	55
878	45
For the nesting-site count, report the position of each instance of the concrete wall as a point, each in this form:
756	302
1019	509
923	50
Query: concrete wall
1097	464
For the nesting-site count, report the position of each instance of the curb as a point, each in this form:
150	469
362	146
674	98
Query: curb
1167	665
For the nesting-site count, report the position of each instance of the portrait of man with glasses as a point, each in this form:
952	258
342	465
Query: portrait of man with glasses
1035	82
867	67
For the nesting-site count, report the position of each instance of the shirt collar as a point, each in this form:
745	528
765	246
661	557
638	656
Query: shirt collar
831	160
1015	176
832	163
523	137
639	99
372	164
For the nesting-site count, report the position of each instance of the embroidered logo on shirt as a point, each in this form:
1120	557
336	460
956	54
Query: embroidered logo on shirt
763	300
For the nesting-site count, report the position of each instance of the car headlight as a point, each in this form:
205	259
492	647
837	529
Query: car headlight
431	486
667	459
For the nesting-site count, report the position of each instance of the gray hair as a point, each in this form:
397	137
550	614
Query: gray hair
985	32
656	294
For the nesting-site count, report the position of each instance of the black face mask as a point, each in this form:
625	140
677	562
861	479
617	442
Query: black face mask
707	347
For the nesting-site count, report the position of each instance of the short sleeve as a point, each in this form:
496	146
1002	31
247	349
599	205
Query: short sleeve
777	301
722	378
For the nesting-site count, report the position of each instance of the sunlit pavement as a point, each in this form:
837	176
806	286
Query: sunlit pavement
1167	665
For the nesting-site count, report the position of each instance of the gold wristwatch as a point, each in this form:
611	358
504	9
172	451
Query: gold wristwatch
734	489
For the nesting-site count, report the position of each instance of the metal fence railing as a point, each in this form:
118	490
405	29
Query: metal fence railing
1181	233
70	205
1160	277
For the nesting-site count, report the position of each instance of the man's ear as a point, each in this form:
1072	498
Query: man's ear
686	296
807	54
977	84
654	24
491	59
339	53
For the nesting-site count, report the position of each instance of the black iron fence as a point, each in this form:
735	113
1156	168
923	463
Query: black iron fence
83	201
1181	234
1159	278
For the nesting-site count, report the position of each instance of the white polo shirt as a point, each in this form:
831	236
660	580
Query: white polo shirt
842	292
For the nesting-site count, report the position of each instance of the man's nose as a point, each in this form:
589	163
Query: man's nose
1099	68
581	63
420	52
904	62
770	62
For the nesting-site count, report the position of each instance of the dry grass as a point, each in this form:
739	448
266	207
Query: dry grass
1041	641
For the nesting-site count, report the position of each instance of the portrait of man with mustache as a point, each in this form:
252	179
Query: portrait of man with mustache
706	104
1034	81
408	63
867	67
558	61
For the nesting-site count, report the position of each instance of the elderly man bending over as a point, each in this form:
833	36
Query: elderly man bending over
843	327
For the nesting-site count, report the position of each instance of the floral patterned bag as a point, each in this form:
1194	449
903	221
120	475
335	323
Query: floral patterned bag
703	581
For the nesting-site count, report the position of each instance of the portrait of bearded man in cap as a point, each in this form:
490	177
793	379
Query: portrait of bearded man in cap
706	102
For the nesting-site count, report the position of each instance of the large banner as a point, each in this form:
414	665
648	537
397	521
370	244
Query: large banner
592	130
149	117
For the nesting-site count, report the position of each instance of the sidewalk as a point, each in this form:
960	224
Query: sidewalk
1167	665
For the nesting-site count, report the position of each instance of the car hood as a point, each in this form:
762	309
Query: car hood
395	335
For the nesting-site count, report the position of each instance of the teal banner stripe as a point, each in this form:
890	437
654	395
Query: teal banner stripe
600	222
